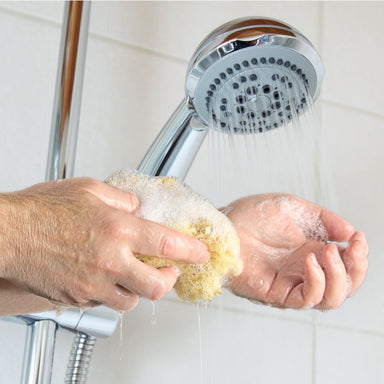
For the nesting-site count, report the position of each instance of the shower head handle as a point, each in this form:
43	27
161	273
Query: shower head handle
174	149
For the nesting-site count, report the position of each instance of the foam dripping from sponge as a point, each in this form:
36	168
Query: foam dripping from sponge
168	201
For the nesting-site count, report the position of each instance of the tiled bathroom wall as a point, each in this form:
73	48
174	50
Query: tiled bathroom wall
136	63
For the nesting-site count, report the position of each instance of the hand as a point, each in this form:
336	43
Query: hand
288	262
73	241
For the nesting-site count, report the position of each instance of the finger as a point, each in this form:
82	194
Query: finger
314	282
115	197
338	229
147	281
355	261
336	278
118	298
310	292
280	289
152	239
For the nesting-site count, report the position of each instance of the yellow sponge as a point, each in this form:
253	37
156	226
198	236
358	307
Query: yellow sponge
168	201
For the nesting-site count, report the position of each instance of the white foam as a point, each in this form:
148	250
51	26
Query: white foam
169	201
308	221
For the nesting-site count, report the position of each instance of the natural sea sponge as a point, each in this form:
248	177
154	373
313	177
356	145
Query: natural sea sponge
168	201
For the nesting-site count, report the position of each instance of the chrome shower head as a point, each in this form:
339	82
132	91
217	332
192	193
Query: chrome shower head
251	73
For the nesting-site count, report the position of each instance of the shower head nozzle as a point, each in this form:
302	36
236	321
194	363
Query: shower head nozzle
252	75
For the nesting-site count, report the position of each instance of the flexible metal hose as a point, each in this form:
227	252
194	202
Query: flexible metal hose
79	359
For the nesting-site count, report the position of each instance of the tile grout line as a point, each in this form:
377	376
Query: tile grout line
140	48
351	329
96	35
30	16
314	348
352	108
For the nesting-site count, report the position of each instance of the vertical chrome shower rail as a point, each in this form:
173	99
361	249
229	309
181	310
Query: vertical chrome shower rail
38	353
69	85
40	340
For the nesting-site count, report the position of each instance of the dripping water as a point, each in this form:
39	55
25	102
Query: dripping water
153	317
121	335
200	343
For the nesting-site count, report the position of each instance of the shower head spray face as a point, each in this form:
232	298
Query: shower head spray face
253	75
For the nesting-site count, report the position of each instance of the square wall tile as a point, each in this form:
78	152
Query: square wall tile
128	96
163	25
353	42
12	340
164	346
27	76
353	143
48	10
348	357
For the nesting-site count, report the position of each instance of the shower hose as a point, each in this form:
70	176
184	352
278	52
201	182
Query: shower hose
79	359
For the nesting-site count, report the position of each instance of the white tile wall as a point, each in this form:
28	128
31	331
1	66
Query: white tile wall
233	347
128	96
136	63
12	337
27	76
348	357
51	11
157	25
353	53
354	145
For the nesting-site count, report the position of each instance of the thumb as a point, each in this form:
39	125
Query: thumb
116	198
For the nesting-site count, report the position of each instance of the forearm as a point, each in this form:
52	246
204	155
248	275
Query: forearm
16	301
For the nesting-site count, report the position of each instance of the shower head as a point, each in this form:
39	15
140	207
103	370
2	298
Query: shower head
249	75
253	75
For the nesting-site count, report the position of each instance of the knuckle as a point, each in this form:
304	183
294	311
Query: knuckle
331	304
126	303
130	303
110	226
310	303
87	290
165	245
132	200
88	183
276	301
158	291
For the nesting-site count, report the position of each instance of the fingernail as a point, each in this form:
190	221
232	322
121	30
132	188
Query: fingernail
334	253
204	256
178	272
121	291
313	259
360	236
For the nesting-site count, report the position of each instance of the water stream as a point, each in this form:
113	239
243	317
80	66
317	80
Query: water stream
200	343
274	148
